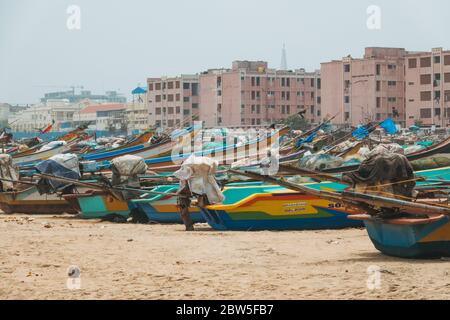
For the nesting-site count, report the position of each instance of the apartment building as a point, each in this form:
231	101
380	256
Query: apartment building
251	94
365	89
427	79
105	117
173	102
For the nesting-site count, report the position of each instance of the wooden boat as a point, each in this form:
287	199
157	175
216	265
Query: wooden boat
409	237
163	208
225	154
441	147
29	159
146	150
29	201
99	205
271	207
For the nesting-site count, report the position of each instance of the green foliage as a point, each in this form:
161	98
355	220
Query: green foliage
296	122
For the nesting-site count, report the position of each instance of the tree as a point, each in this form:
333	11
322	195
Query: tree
297	122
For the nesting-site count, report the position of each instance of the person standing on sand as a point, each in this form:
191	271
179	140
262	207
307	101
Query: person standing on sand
184	202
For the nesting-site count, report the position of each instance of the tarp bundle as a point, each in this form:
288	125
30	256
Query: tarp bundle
198	173
61	165
320	162
126	168
387	174
7	171
52	145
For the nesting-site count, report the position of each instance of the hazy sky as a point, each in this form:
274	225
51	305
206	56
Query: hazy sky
122	42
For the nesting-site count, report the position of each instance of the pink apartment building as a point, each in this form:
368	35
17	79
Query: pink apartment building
250	94
427	79
371	88
173	102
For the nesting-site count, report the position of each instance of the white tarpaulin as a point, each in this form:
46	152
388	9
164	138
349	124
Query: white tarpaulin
199	173
52	145
7	171
67	160
126	167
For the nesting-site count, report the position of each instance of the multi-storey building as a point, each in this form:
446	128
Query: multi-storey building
427	79
62	112
105	117
250	94
173	102
367	89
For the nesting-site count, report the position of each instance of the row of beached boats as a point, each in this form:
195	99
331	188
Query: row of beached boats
254	197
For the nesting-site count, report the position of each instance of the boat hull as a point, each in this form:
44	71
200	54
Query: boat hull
99	205
29	201
279	211
166	213
414	241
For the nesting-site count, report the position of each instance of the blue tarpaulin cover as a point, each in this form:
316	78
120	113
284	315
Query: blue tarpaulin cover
389	126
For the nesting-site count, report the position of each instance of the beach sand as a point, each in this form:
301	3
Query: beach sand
128	261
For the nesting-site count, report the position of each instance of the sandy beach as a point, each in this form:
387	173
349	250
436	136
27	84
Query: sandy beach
128	261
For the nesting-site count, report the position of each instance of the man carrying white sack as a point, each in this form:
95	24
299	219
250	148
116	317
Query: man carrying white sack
197	179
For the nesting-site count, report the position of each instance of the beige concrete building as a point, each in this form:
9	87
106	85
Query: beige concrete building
427	78
366	89
173	102
251	94
137	114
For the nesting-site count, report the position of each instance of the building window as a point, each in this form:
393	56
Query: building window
194	89
392	66
150	87
392	83
437	112
319	100
319	83
447	95
283	82
177	97
186	85
157	110
425	79
177	110
346	68
346	99
170	110
392	99
447	60
170	85
425	62
378	69
195	106
378	103
186	99
186	112
378	86
158	86
425	96
447	77
425	113
158	98
412	63
437	59
288	82
170	97
437	95
312	83
177	84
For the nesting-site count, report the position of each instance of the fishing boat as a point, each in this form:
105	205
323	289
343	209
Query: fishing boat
438	148
409	237
29	159
97	204
30	201
273	207
146	151
226	153
163	208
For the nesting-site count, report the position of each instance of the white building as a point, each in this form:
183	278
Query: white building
40	115
104	117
